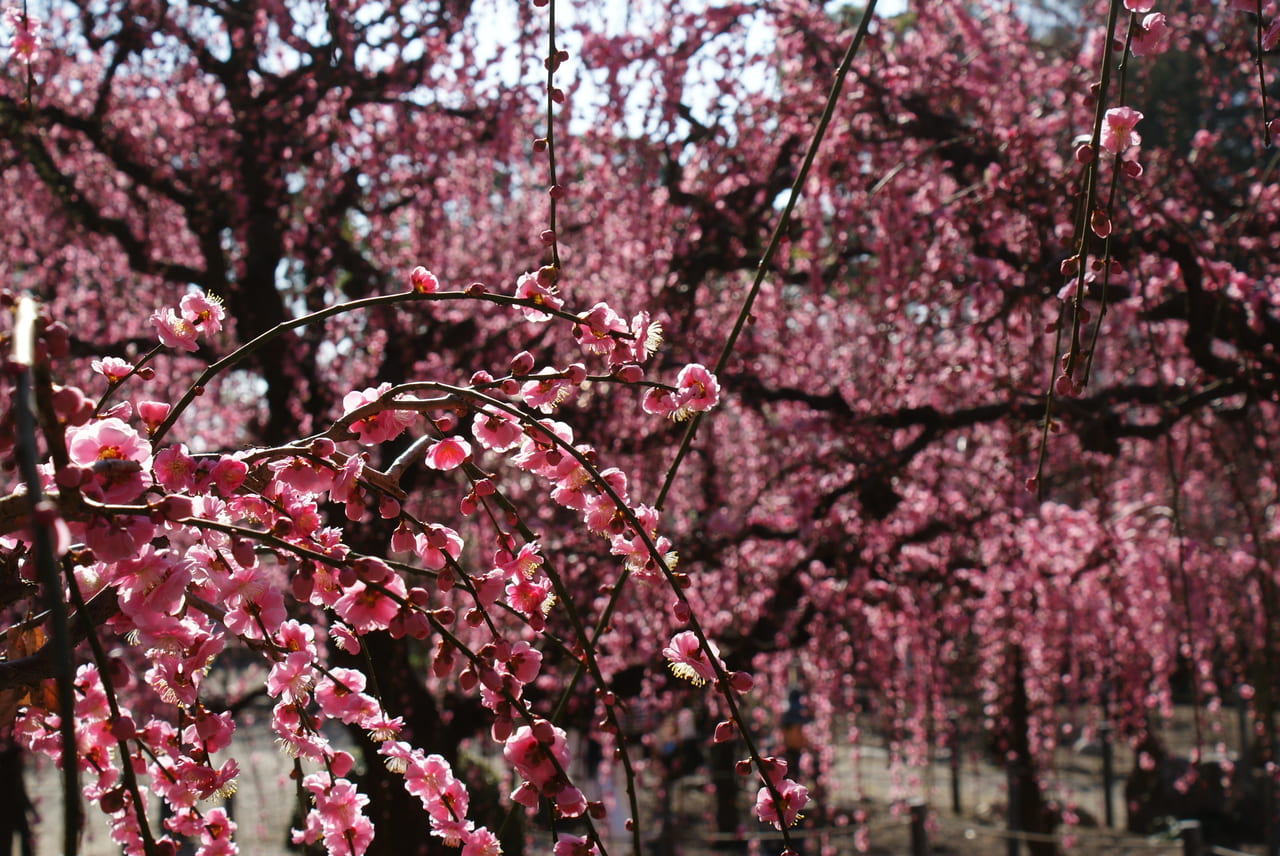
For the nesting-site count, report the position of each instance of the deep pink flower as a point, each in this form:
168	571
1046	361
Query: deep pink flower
659	402
228	474
423	281
304	474
525	662
1117	129
341	695
540	762
432	545
524	563
573	845
647	336
481	842
1269	38
532	598
546	391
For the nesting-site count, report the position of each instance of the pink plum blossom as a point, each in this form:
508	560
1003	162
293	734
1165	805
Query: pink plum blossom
377	427
448	454
1150	37
26	32
203	311
687	660
498	431
528	288
423	281
1117	129
119	459
113	369
794	797
174	331
434	544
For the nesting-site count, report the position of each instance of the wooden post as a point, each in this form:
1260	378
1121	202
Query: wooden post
1013	844
919	835
1108	774
955	765
1192	839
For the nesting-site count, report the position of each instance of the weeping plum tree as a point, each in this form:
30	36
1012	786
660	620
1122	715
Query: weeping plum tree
334	346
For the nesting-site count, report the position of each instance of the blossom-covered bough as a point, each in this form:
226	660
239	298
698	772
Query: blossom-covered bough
197	550
434	509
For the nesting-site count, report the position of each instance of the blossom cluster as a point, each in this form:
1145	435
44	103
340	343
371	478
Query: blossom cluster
204	551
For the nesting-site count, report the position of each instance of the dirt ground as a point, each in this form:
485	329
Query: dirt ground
863	786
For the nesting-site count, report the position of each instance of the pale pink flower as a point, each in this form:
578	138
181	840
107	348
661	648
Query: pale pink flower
26	33
595	328
546	391
481	842
119	459
1150	37
174	330
697	390
794	797
113	369
203	311
528	288
1117	129
174	468
366	608
378	427
498	431
1139	6
687	659
448	454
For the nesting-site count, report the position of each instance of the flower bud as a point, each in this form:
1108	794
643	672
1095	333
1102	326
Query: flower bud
521	364
629	373
423	281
